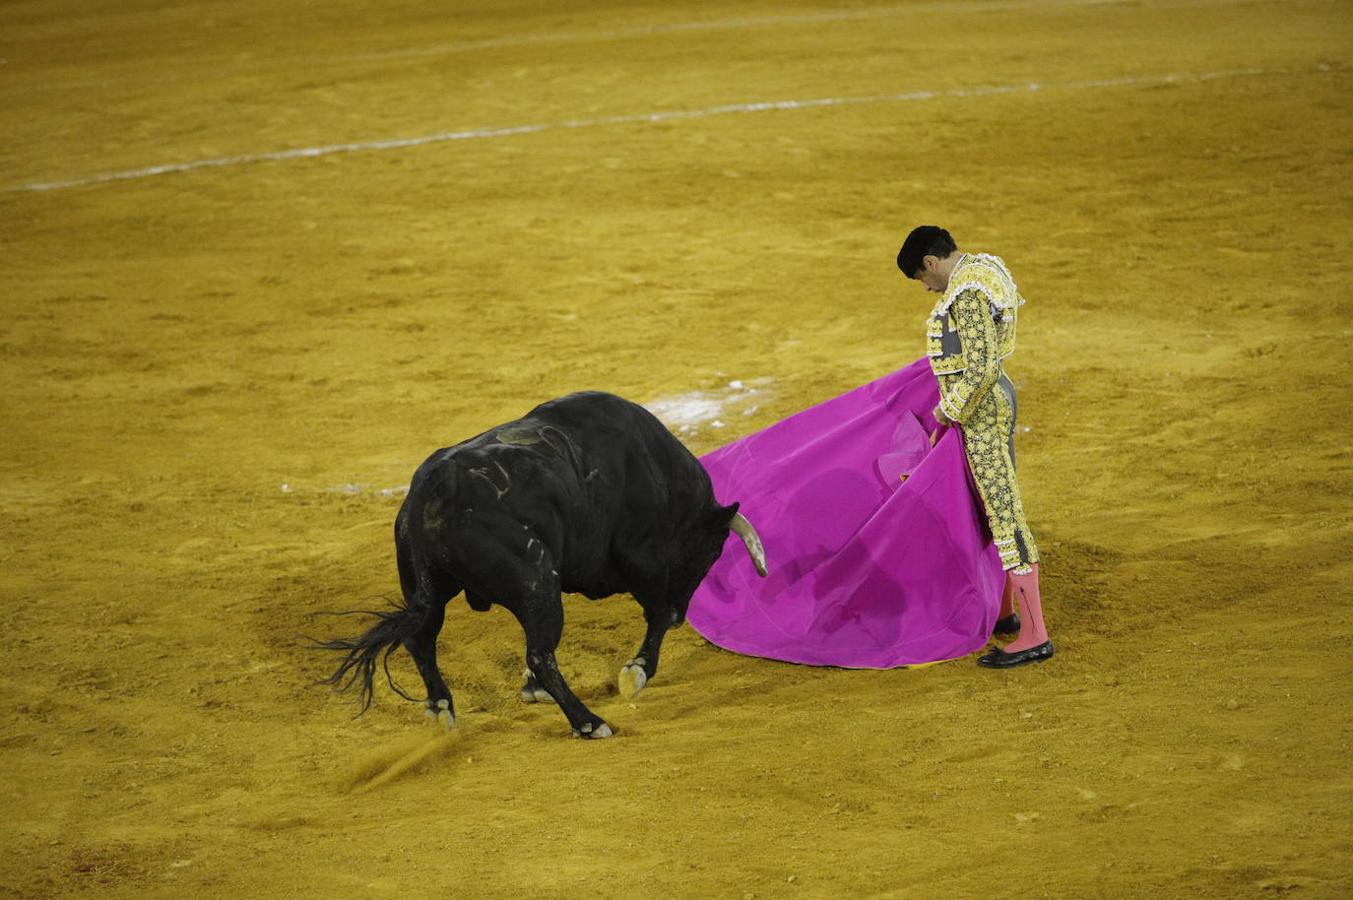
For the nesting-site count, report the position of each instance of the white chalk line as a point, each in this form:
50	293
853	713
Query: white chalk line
952	7
909	12
637	31
642	118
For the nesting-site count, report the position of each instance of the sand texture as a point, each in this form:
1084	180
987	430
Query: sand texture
218	378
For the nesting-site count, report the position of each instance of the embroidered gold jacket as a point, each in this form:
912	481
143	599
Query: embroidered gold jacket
970	330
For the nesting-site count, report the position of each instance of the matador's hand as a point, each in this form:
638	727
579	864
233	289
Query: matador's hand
943	421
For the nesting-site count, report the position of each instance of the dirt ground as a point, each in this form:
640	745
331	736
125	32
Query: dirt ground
217	380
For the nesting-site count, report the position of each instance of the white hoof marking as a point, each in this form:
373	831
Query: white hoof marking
532	692
440	711
632	680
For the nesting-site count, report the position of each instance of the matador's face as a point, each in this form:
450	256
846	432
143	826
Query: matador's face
934	274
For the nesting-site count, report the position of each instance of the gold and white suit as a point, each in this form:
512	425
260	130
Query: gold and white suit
969	332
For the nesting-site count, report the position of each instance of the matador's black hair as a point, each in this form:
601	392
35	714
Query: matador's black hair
924	240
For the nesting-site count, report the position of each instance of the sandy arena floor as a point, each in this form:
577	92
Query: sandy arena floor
217	379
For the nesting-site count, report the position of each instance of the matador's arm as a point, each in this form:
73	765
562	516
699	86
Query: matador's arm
977	331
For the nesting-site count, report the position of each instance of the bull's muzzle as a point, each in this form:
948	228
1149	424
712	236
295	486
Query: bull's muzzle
743	529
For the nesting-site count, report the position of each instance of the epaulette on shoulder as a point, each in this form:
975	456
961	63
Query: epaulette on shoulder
987	275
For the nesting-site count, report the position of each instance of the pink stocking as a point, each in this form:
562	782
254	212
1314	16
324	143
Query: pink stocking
1007	599
1032	631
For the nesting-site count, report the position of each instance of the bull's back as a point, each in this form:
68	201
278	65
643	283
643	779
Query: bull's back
560	468
611	428
586	473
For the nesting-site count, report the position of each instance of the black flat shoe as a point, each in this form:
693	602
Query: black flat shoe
1008	625
999	659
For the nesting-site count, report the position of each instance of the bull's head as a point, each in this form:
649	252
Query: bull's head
708	538
703	547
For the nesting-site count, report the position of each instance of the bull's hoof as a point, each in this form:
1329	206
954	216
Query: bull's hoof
531	692
594	733
441	711
632	678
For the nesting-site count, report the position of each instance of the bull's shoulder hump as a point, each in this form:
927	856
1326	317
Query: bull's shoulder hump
584	401
590	410
467	451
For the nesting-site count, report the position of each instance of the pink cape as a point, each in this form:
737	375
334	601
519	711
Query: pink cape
865	570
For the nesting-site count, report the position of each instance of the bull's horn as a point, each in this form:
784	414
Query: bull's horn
743	529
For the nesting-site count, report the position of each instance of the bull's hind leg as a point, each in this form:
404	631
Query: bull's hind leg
638	671
541	615
425	589
422	646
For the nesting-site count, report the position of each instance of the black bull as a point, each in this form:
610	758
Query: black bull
587	494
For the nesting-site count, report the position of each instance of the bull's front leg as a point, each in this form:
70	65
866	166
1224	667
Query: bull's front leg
542	619
531	691
637	672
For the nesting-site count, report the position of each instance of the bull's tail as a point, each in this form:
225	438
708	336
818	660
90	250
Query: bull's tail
380	640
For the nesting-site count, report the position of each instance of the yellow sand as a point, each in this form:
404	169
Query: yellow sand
196	364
